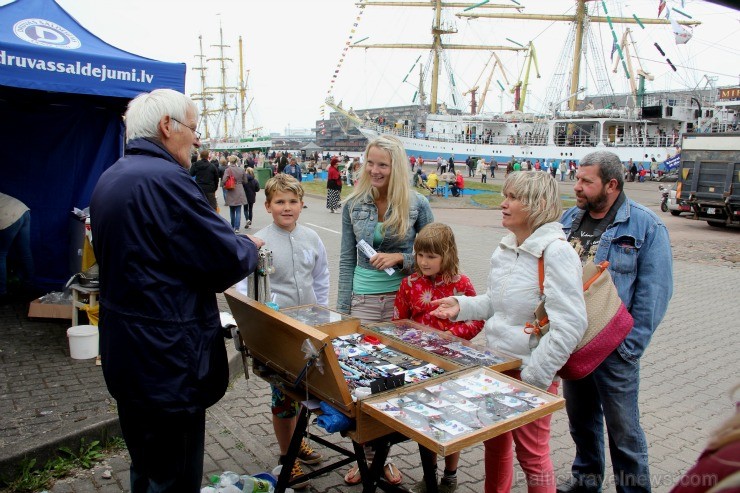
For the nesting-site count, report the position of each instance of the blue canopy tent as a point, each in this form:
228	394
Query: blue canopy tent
62	94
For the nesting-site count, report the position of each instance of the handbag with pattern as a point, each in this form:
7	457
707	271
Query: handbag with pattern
609	322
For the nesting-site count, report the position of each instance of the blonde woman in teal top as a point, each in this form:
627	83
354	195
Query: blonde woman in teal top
387	213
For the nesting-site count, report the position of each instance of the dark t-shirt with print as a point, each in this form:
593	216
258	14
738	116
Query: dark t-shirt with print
585	239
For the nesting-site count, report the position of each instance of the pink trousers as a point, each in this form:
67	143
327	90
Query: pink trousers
532	445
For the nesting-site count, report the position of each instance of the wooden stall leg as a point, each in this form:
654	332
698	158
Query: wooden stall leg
293	448
368	481
372	474
382	447
429	466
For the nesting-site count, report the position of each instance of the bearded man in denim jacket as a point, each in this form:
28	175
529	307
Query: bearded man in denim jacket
606	225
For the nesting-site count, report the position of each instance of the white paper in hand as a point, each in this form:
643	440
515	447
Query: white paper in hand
369	252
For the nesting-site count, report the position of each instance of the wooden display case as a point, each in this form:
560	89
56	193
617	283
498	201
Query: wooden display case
276	338
459	409
444	413
445	344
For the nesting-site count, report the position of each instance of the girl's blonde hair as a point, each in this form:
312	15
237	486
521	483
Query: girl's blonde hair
249	171
438	238
399	189
538	192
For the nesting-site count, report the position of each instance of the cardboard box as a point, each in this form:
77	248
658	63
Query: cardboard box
48	310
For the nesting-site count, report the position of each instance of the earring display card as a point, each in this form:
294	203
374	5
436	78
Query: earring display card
445	345
461	408
366	362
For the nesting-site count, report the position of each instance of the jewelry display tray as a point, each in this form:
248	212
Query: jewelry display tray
275	339
459	409
445	344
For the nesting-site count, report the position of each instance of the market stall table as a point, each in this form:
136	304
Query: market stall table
422	388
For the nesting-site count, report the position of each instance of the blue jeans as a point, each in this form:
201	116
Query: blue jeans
236	216
609	394
16	240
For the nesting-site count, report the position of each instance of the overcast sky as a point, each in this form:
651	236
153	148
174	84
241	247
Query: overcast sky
293	47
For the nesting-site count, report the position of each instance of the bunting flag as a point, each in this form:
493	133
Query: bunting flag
682	34
661	6
681	12
614	48
350	37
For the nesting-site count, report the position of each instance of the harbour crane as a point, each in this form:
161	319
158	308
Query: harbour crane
520	88
472	91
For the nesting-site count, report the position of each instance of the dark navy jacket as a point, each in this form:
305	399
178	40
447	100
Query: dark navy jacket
163	253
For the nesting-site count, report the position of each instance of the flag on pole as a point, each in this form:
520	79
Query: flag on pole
682	34
672	162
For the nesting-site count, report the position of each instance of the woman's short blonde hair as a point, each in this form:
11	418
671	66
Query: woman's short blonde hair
231	159
538	192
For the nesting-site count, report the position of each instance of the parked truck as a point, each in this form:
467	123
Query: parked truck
709	178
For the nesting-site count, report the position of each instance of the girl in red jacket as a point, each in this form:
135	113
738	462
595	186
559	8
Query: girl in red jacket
437	275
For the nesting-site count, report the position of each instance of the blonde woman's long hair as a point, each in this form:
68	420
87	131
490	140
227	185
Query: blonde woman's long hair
399	190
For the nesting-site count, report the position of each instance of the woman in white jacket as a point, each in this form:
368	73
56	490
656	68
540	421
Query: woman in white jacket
530	210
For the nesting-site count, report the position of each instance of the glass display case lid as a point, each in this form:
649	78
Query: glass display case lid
445	344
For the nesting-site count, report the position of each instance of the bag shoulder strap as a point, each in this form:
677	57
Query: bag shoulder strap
600	268
541	268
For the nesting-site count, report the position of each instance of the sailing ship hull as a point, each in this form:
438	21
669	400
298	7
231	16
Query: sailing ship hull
430	149
241	146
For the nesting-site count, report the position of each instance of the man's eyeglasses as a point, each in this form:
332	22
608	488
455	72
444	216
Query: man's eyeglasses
197	134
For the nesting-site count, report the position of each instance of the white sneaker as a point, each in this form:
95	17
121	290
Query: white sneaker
249	223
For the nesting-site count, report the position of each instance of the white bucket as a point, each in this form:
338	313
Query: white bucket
83	341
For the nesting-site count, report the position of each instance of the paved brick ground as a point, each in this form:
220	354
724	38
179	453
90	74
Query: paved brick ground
48	399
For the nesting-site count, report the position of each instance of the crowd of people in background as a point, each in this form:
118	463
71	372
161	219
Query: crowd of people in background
443	172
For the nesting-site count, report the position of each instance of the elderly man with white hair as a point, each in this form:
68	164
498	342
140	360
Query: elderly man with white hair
163	254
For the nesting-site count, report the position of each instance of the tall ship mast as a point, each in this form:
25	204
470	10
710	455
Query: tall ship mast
202	96
568	124
223	117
